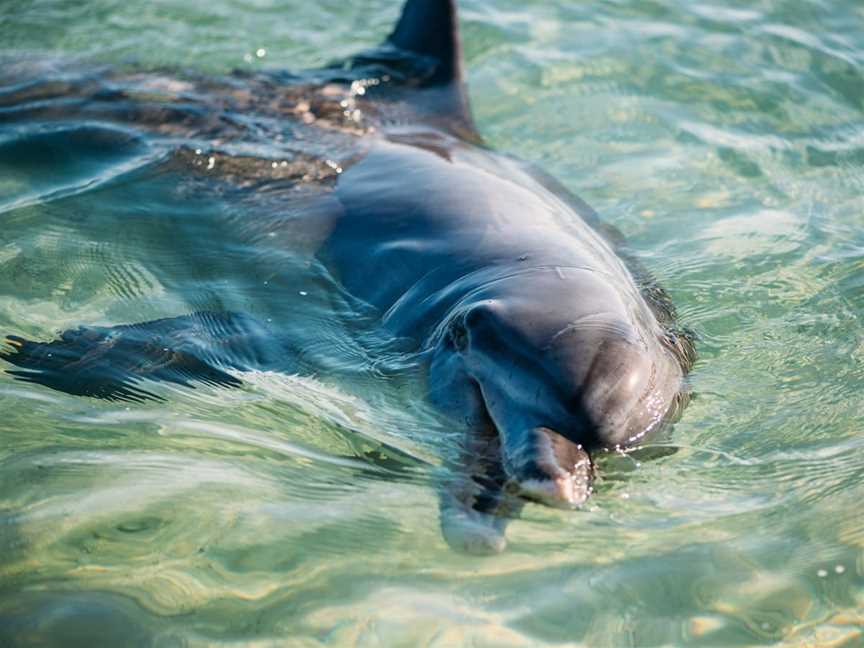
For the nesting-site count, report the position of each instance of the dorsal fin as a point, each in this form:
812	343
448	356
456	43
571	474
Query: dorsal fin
420	66
430	28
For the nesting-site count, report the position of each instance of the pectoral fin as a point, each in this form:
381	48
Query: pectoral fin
111	362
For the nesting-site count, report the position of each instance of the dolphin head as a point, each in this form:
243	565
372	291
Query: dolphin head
560	363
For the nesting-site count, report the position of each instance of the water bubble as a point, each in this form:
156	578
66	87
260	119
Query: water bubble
839	569
211	162
303	293
247	58
261	52
822	573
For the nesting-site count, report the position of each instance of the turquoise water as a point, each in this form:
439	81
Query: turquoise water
726	140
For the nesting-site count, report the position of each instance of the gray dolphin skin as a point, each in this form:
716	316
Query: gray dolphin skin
543	342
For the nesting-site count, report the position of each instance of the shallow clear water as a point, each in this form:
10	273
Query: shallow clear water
726	140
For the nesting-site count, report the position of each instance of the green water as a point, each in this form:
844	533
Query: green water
726	140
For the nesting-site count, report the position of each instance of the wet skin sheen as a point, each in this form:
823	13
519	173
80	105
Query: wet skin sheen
536	332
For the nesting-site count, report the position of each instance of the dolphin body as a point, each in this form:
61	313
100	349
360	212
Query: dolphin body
541	340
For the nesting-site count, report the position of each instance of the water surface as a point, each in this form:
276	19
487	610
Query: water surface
726	140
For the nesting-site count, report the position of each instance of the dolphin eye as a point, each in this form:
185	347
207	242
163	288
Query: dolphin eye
458	335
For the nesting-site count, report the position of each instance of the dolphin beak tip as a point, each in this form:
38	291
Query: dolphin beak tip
567	492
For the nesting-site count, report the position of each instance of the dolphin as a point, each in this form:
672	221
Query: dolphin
543	342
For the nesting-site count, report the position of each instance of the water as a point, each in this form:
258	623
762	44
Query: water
724	139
